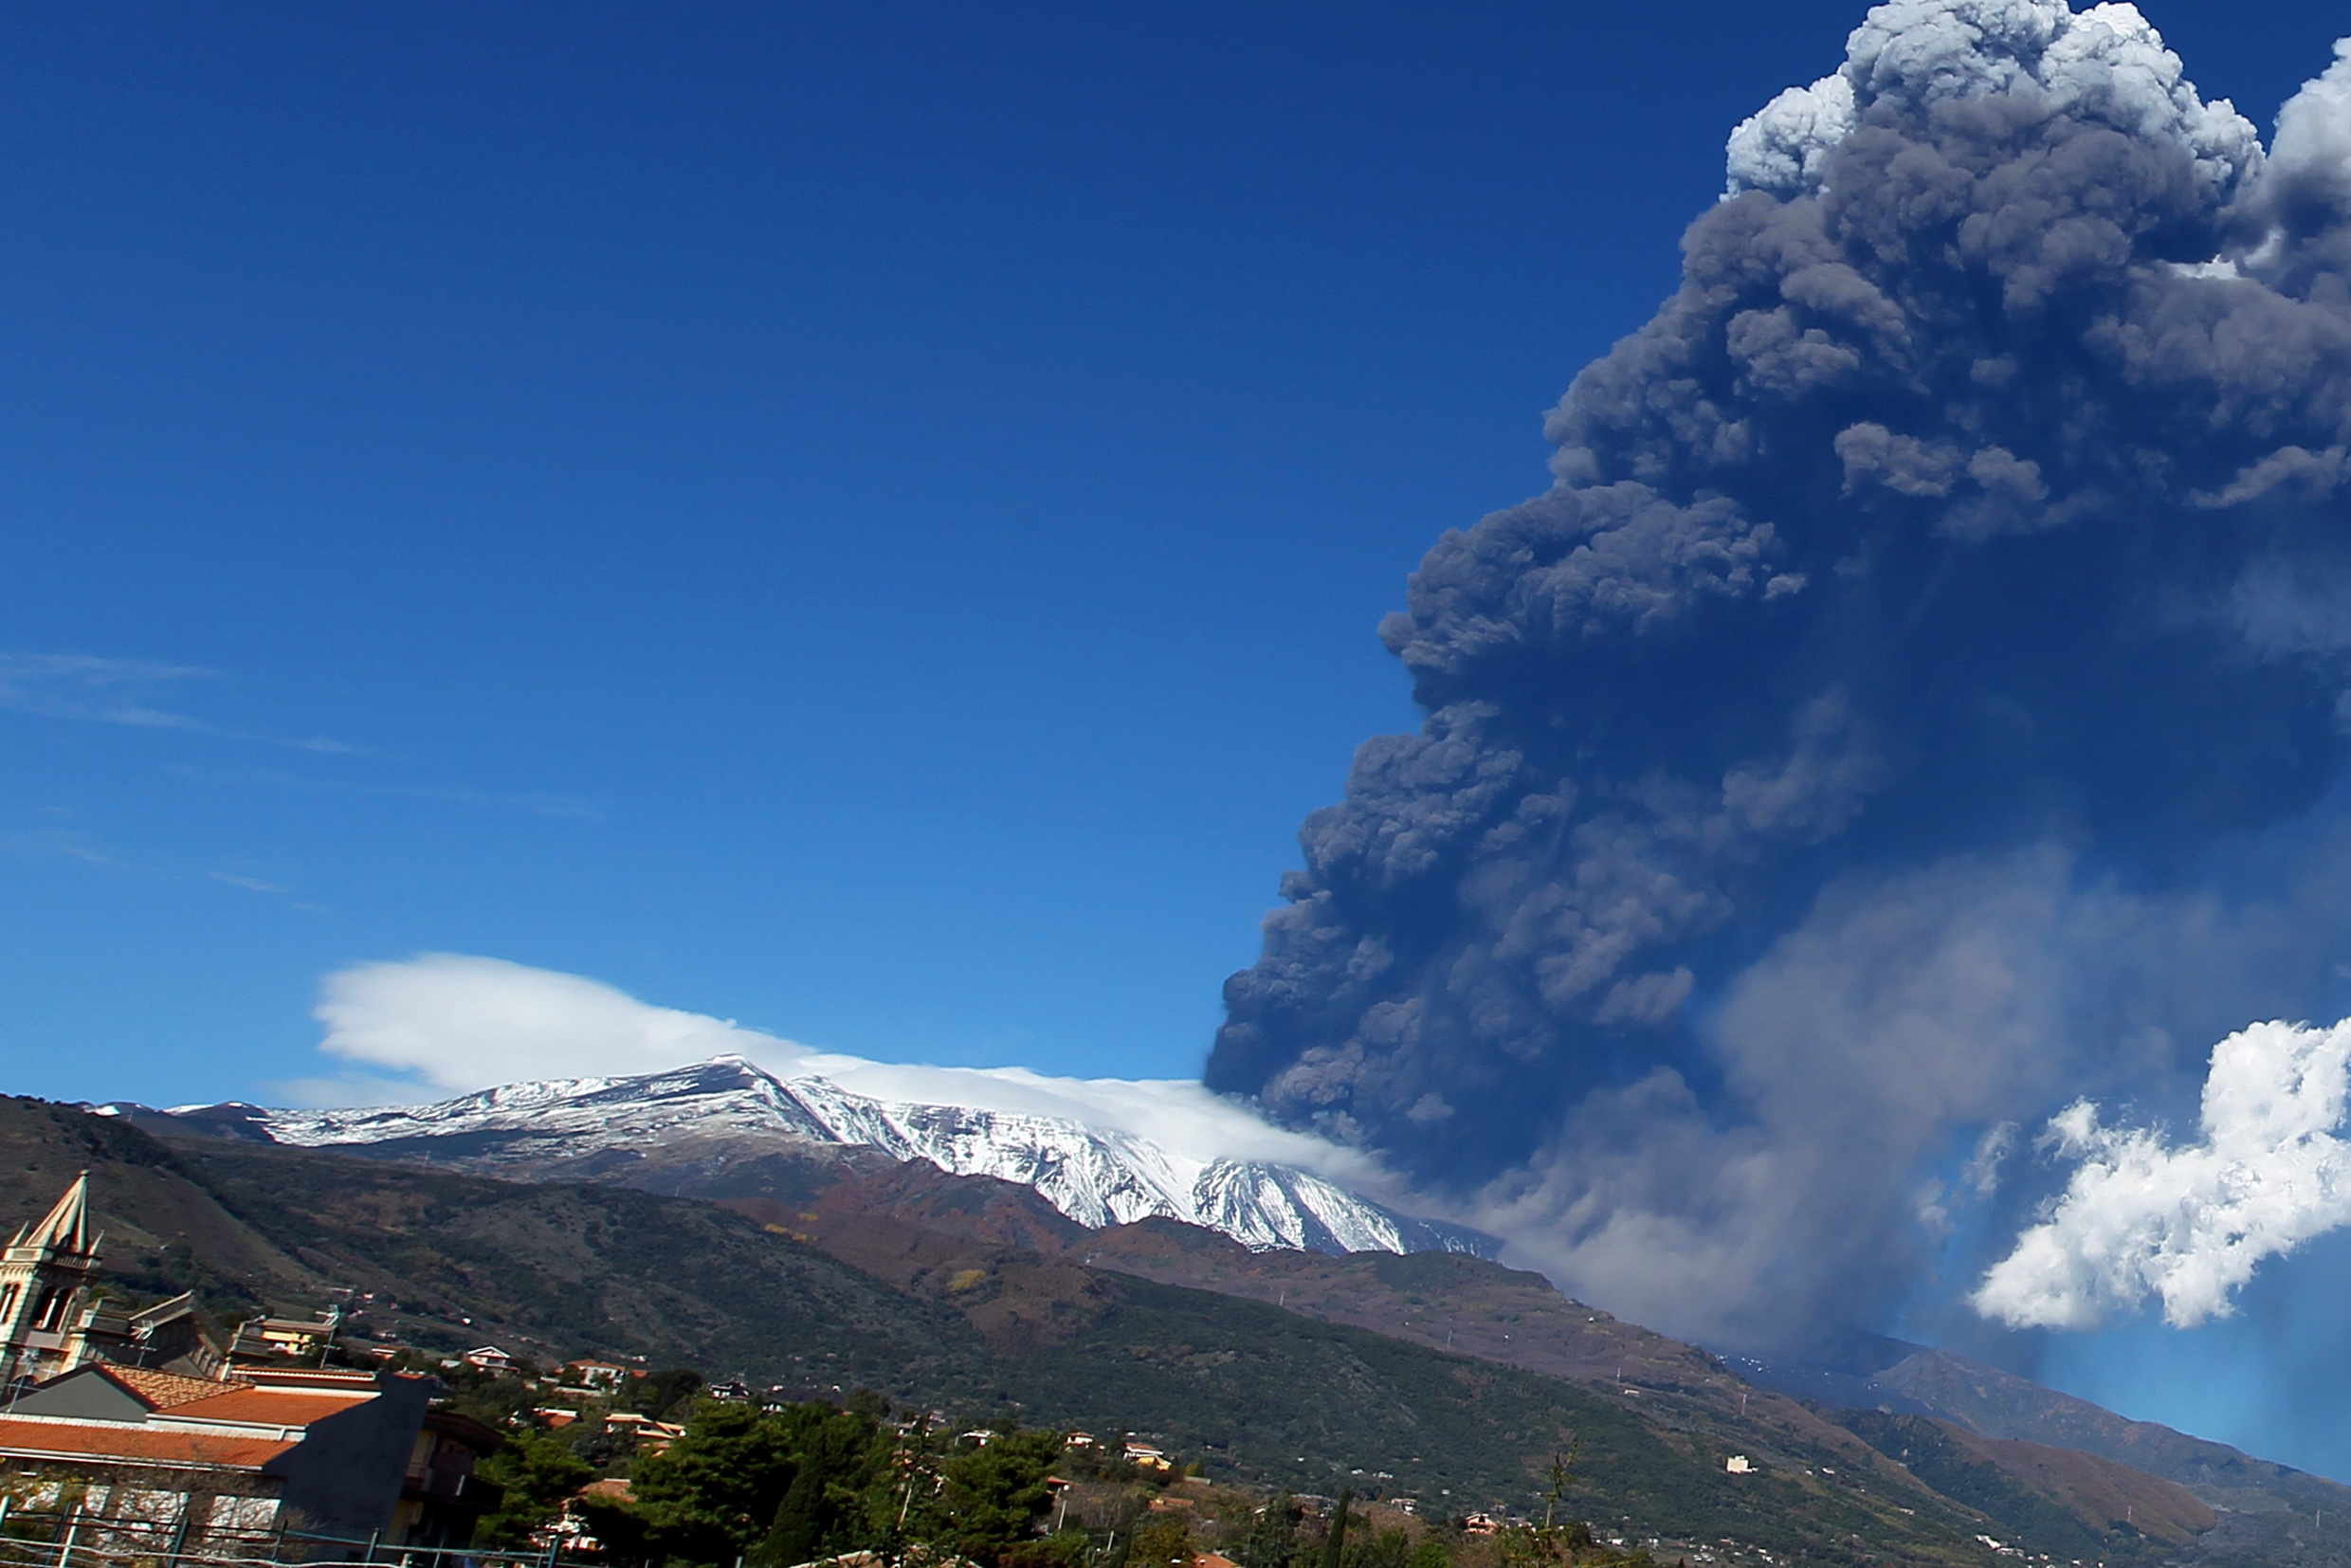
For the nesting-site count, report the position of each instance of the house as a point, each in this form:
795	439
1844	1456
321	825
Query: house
1481	1524
441	1498
301	1341
1147	1457
734	1392
170	1336
488	1358
653	1436
601	1375
1078	1440
252	1451
150	1425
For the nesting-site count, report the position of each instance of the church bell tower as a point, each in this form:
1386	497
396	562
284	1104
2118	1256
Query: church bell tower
45	1274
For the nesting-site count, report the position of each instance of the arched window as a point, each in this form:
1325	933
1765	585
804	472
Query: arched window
9	1293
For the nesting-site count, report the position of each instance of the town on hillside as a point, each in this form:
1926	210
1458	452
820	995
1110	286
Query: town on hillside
141	1431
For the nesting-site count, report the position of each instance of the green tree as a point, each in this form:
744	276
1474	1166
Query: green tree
668	1395
1385	1549
716	1489
537	1472
1431	1553
839	1456
1159	1540
989	1497
1273	1535
1335	1543
1553	1542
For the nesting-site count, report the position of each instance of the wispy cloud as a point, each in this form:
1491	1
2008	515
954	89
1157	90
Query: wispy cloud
85	688
56	844
65	844
567	808
98	691
251	885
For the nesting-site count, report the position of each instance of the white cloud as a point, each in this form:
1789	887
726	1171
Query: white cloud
100	691
93	691
1780	148
449	1024
2105	64
2189	1223
2314	126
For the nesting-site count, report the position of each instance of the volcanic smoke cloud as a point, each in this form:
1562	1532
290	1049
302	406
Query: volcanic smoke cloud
1919	702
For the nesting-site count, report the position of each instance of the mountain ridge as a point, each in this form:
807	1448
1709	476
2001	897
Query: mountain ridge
595	1127
1272	1398
980	1293
973	1211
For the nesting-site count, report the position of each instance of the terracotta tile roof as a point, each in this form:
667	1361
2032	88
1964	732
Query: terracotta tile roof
164	1390
269	1406
118	1441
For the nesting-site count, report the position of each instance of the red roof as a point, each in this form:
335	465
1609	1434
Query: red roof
270	1406
117	1441
162	1389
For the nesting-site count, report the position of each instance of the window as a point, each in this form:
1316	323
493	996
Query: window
244	1513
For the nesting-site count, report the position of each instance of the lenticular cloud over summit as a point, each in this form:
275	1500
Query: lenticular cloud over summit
1919	705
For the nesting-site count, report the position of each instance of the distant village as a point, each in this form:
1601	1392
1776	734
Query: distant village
150	1435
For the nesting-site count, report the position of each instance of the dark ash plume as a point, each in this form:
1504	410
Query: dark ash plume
1891	719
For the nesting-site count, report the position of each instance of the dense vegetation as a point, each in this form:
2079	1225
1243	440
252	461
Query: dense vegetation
1939	1457
773	1488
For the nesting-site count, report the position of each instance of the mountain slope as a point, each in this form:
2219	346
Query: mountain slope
1031	1279
2269	1513
1021	1271
2078	1504
456	1261
933	1313
2042	1465
610	1129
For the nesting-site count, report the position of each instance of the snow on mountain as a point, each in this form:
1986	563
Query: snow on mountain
1097	1177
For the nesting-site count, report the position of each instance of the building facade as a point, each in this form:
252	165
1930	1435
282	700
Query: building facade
351	1457
51	1323
45	1275
136	1422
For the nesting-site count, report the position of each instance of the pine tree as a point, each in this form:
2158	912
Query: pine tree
1336	1541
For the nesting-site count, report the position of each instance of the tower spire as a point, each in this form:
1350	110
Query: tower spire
66	1227
45	1276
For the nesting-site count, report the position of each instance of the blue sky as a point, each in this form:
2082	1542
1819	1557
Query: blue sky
867	520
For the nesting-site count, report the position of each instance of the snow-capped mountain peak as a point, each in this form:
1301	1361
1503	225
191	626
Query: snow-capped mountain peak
1096	1176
